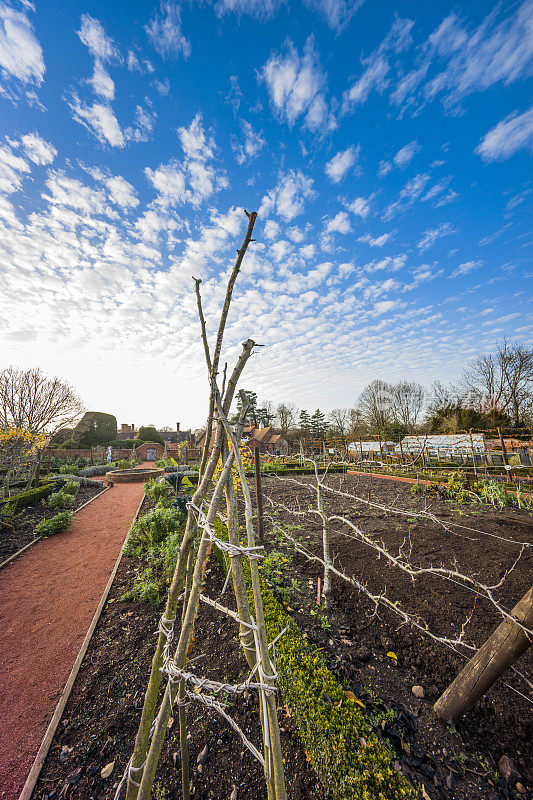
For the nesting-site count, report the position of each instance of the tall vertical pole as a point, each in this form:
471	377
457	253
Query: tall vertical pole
259	495
361	447
401	448
380	449
473	454
504	454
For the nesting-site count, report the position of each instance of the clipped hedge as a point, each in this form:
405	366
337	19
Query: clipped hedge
329	724
23	499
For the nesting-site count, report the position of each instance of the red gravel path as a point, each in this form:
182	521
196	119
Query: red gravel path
48	597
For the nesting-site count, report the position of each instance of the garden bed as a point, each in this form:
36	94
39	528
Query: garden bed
102	715
23	525
462	761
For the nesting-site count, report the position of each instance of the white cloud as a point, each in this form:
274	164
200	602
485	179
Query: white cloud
193	179
375	77
464	269
378	241
37	149
121	192
141	130
337	13
271	229
21	55
100	120
410	192
513	133
402	158
297	85
263	9
341	163
11	166
93	36
101	82
474	59
288	198
360	207
339	224
251	146
430	236
164	31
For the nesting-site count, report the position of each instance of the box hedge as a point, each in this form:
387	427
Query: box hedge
23	499
331	726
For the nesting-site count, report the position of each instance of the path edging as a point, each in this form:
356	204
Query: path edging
38	539
35	771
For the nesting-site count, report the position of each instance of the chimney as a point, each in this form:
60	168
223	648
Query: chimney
177	427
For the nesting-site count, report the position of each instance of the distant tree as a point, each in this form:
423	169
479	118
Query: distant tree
166	429
319	425
356	424
31	400
149	434
285	417
407	398
339	421
501	381
251	401
394	431
375	405
94	428
62	436
304	423
265	414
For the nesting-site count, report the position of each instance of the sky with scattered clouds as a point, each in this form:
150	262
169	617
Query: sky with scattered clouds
388	155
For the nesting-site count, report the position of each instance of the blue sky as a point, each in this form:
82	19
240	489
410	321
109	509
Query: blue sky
386	146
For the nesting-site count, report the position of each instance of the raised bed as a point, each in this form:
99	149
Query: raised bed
133	475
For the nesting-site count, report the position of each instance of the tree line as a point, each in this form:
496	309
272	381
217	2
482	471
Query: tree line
495	390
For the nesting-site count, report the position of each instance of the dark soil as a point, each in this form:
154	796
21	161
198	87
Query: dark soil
453	763
102	715
22	533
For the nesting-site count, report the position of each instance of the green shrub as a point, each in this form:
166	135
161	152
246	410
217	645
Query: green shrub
57	524
157	491
148	434
152	529
418	489
330	725
71	487
145	589
23	499
60	500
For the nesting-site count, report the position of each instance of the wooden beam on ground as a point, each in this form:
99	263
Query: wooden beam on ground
508	642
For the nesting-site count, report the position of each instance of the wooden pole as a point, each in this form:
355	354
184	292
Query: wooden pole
473	454
508	642
361	447
259	495
504	455
380	448
401	448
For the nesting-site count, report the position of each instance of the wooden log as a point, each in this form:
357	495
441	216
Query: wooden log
508	642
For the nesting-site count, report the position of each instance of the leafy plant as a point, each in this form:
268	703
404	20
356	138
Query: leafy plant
57	524
152	529
72	488
60	500
157	491
145	589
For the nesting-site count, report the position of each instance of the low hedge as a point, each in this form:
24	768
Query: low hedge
57	524
330	725
23	499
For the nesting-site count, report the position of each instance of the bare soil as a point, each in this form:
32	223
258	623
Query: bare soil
452	763
102	715
22	528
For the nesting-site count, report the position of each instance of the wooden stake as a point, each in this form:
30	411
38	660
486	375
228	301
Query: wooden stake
504	454
259	494
473	454
508	642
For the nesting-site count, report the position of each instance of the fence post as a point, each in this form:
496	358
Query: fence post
508	642
259	495
473	454
504	456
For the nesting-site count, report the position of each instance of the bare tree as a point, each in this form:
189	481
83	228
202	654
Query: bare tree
501	381
339	420
31	400
375	404
286	417
407	402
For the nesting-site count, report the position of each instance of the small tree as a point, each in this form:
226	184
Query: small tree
149	434
319	425
34	402
250	398
305	423
286	417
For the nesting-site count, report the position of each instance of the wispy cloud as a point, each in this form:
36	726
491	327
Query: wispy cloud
164	31
376	75
513	133
465	268
377	241
21	55
339	224
288	197
337	13
341	163
263	9
250	146
403	157
297	87
430	236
